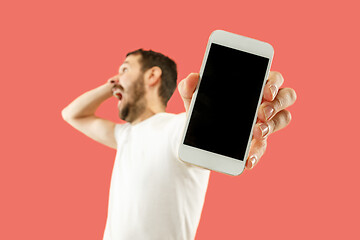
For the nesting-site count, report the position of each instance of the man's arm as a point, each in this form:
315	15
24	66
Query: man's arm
80	114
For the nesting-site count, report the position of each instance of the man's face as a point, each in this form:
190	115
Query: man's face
131	90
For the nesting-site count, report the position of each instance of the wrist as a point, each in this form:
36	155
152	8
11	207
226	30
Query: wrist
106	90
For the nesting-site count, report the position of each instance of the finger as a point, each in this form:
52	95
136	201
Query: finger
187	87
273	85
261	130
281	120
257	150
285	98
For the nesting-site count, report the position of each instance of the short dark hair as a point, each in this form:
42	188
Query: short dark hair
150	59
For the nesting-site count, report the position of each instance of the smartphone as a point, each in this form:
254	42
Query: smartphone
223	109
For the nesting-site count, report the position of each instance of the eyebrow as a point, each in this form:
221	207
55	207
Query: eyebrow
126	62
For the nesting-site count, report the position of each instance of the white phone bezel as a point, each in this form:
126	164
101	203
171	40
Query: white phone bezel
210	160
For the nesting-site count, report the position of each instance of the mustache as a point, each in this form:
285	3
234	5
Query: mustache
118	86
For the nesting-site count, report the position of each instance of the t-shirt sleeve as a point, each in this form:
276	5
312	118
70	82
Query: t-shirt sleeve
177	130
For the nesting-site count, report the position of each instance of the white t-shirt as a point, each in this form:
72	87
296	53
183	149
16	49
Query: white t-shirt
153	194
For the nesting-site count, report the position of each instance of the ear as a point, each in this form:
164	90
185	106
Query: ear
153	76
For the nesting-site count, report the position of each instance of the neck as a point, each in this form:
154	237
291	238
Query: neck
149	112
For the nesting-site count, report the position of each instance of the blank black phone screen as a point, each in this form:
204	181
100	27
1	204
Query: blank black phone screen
226	102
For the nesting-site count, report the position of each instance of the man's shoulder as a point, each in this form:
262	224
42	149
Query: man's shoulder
173	116
172	119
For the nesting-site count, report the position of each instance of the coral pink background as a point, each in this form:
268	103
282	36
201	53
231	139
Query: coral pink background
54	181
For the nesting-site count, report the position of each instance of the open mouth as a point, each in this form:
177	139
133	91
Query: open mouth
117	93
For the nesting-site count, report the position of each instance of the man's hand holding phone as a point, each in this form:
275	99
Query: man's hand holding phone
272	113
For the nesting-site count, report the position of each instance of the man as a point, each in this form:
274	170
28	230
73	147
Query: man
153	194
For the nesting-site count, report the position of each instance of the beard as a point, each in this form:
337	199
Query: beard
136	103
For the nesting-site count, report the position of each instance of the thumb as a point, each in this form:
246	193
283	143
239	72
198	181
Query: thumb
187	87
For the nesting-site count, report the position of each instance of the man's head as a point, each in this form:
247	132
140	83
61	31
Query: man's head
147	79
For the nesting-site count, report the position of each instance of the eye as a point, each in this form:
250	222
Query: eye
125	69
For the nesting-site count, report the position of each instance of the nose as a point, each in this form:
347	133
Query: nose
117	82
115	79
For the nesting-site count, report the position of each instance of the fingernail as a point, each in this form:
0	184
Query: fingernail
268	111
264	129
252	161
273	90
